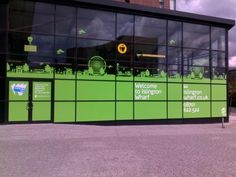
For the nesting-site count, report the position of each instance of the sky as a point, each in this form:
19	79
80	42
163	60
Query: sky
217	8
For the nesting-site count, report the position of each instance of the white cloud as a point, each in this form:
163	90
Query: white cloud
232	61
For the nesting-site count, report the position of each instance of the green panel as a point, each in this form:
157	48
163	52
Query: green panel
219	109
196	92
171	79
65	75
124	78
18	111
151	79
30	75
64	112
196	109
150	110
218	81
174	91
64	90
41	111
219	92
124	110
95	111
124	90
205	80
42	91
150	91
19	90
95	90
175	110
108	77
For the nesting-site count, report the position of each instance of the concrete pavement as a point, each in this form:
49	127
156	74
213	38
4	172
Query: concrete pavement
57	150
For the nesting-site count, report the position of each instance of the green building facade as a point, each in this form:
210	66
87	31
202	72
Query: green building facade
86	61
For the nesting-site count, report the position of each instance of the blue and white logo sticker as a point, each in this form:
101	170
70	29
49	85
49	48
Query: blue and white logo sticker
18	89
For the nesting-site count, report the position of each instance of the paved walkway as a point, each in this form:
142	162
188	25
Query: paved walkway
56	150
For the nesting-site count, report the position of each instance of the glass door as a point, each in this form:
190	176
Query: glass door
41	100
30	101
18	94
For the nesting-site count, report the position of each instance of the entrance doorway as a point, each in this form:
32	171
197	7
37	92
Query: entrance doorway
29	101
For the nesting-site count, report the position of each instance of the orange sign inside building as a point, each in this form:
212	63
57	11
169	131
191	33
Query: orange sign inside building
122	48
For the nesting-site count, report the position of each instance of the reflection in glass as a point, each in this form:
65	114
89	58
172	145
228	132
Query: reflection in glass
96	24
174	76
218	59
196	72
150	30
127	56
125	25
150	70
89	48
174	56
174	33
65	67
65	20
150	53
104	51
30	66
196	36
175	73
22	43
218	38
196	57
124	69
35	17
65	47
218	74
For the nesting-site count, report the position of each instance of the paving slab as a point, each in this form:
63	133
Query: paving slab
67	150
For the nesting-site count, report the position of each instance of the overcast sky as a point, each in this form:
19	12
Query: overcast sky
218	8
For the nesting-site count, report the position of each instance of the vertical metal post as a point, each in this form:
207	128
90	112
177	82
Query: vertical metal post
223	121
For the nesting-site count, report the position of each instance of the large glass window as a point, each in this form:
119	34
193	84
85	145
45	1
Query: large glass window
218	38
196	36
150	30
150	53
24	43
89	48
30	66
219	74
65	56
196	67
93	50
174	33
150	61
196	57
218	59
196	73
174	56
174	63
125	27
3	19
124	34
95	24
34	17
65	20
65	47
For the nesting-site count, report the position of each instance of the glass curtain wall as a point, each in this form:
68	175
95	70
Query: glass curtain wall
116	66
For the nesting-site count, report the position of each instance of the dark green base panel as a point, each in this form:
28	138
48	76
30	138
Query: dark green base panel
152	121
